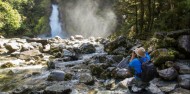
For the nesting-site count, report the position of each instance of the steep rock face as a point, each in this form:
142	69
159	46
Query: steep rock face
184	44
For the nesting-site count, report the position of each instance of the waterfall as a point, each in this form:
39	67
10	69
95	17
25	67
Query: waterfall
55	24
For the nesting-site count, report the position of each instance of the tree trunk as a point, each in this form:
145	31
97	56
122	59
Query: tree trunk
141	15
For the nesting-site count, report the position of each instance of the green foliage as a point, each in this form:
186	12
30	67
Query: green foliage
28	17
10	19
152	15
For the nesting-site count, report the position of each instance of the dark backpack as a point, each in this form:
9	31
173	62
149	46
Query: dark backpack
149	71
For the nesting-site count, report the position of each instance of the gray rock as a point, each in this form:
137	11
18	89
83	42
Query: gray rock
168	74
86	78
87	48
184	81
110	84
47	48
183	43
168	88
180	91
27	46
13	46
119	51
25	89
38	40
51	65
56	75
59	88
28	54
36	45
4	93
184	68
154	89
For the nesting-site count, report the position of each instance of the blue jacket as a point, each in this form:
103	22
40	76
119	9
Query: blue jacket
136	64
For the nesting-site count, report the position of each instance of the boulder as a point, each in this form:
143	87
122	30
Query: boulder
109	84
58	88
120	51
184	68
180	91
168	88
26	55
38	40
168	74
25	89
184	81
27	46
56	75
87	48
7	65
121	73
160	56
86	78
12	47
119	42
36	45
183	43
154	89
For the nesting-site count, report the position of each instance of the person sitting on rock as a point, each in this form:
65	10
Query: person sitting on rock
138	55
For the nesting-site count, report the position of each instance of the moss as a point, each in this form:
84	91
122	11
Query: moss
7	65
160	56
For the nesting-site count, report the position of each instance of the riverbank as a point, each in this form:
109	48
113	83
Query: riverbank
89	66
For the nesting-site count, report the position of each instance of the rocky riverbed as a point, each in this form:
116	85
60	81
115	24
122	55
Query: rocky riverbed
88	66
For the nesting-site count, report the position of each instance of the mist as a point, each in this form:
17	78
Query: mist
88	18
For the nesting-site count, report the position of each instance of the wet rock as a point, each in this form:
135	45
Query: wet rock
119	51
26	55
168	74
13	46
154	89
120	41
87	48
25	89
184	81
56	75
86	78
160	56
59	88
183	68
180	91
96	69
168	88
36	45
38	40
109	84
68	76
183	43
27	46
136	89
7	65
121	74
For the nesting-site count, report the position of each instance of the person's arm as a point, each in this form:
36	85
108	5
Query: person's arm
133	55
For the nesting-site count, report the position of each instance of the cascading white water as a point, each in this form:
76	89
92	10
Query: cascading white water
55	24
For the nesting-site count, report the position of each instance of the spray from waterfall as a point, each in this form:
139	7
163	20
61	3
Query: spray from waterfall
87	18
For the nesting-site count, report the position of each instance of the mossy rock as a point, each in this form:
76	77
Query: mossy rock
7	65
161	42
160	56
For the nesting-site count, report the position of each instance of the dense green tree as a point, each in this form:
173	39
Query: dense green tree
10	19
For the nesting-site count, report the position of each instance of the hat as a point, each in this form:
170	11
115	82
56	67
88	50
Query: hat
140	52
